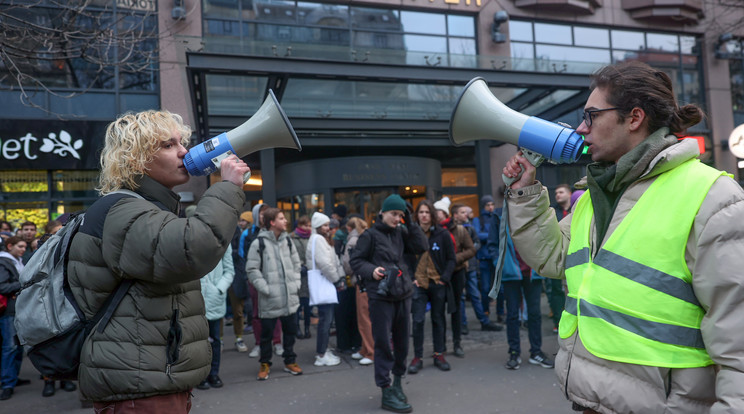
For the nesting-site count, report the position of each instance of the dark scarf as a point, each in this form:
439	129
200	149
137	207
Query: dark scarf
607	181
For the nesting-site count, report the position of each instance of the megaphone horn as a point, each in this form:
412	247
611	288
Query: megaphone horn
479	115
269	127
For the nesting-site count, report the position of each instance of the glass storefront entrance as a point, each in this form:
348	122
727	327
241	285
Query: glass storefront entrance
367	202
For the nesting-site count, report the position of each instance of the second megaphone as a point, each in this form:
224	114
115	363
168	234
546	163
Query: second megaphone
479	115
269	127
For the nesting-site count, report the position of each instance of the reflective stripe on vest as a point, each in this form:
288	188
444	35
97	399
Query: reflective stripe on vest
633	301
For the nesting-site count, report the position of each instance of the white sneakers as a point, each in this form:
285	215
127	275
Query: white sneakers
357	356
328	360
366	361
240	345
255	352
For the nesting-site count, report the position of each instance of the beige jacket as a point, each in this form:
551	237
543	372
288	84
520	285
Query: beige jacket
715	258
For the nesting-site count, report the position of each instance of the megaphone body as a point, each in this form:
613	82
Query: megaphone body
269	127
479	115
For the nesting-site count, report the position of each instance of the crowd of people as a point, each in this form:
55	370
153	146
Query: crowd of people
644	264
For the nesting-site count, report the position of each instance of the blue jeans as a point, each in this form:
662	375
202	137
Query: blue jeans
513	291
216	342
11	363
472	291
325	316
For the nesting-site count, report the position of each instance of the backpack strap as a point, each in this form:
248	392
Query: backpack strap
112	302
261	247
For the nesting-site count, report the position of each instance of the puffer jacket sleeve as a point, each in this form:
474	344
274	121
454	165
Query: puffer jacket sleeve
147	243
254	271
325	259
361	256
295	277
228	271
716	246
538	237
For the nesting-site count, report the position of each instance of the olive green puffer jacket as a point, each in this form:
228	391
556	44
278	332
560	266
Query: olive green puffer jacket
156	342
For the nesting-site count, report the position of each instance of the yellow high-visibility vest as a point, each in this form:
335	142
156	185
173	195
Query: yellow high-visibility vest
633	301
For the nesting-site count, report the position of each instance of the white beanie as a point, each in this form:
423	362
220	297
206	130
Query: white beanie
444	205
319	219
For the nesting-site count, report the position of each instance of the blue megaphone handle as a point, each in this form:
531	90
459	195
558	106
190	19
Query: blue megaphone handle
558	143
205	158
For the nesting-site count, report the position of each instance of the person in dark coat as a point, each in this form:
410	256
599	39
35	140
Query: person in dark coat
378	260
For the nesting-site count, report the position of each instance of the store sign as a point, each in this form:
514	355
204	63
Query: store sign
45	145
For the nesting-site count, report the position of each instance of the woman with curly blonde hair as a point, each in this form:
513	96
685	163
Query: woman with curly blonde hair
155	348
132	141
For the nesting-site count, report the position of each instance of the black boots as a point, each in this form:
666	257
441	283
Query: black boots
393	398
398	387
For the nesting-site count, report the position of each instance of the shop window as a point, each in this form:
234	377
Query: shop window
23	181
255	183
459	177
77	183
18	213
301	205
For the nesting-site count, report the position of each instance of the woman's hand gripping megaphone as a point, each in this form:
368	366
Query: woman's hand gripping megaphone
521	169
235	170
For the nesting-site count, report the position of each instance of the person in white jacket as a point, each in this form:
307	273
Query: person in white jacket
214	287
321	255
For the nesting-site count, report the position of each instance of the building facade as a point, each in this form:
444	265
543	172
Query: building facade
369	87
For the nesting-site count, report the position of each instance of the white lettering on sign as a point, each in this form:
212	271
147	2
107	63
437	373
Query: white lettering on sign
62	145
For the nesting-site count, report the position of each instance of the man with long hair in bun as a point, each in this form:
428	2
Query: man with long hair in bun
651	254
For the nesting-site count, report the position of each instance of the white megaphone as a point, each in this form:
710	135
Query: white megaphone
479	115
269	127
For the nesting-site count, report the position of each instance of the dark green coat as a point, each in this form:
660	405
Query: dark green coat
145	240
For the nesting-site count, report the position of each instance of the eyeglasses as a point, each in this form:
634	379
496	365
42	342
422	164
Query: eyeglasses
588	115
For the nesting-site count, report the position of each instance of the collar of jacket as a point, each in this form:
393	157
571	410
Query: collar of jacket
270	235
154	191
379	225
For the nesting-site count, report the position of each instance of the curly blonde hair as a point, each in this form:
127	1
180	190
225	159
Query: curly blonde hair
131	143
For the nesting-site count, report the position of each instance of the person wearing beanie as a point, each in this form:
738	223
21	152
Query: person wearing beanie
443	208
321	255
245	219
237	293
377	257
339	236
300	237
482	226
248	236
464	250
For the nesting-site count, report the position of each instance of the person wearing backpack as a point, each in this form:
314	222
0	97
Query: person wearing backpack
155	348
11	265
246	239
273	268
378	260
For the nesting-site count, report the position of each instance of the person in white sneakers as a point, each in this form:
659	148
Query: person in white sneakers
321	255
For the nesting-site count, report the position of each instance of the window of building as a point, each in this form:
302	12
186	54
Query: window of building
584	49
273	25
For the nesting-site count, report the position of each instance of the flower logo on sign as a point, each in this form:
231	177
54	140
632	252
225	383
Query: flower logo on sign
63	145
